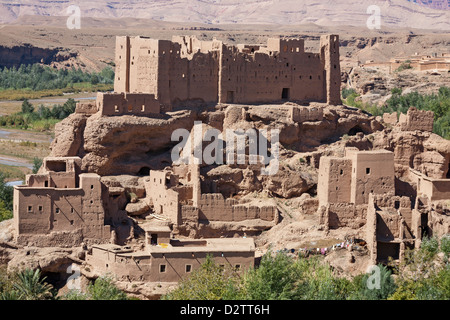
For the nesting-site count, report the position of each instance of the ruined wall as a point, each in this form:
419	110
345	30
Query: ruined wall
165	200
214	207
339	215
86	108
304	114
417	120
391	227
390	118
438	223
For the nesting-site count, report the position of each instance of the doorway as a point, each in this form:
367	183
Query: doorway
230	96
154	239
285	94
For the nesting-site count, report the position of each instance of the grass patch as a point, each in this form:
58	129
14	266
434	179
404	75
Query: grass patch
22	94
25	149
12	173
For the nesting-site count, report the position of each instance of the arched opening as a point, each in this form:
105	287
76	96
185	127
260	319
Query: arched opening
353	131
144	171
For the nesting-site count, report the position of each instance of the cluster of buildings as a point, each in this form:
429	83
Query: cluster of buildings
63	206
361	190
433	63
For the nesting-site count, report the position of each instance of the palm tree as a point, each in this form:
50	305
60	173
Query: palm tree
30	286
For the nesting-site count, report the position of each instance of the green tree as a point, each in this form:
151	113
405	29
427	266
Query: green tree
6	193
37	163
94	79
209	282
104	289
276	278
30	286
27	107
5	214
386	287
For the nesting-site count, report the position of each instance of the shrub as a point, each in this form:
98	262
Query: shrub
209	282
104	289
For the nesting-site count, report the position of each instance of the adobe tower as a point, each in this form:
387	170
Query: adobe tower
329	52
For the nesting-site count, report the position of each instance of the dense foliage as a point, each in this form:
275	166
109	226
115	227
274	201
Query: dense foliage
438	103
423	275
41	118
280	276
31	285
37	77
6	199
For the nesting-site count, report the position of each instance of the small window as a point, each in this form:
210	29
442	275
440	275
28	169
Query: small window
342	172
71	222
57	210
162	268
30	208
40	208
116	108
188	268
71	210
92	186
367	170
397	204
143	108
237	267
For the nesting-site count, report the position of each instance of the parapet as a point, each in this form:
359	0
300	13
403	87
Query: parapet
119	104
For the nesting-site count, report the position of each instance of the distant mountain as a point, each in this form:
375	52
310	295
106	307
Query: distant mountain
421	14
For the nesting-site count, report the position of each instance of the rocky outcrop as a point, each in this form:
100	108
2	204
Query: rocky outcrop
53	260
28	54
134	145
423	151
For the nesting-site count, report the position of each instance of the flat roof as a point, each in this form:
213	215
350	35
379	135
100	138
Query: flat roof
212	245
